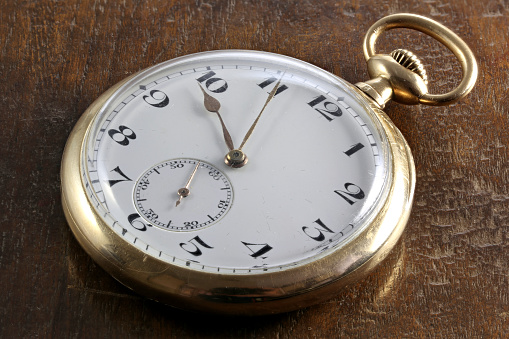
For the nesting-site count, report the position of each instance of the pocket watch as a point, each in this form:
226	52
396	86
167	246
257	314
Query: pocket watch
246	182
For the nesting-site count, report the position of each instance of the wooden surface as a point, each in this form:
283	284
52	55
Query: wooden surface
449	276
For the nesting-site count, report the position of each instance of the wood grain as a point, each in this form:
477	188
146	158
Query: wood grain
449	276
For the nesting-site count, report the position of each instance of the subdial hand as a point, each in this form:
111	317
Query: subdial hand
237	158
212	105
184	191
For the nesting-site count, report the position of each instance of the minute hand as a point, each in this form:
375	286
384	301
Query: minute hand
271	95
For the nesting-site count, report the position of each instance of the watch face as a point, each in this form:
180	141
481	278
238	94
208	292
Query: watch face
154	163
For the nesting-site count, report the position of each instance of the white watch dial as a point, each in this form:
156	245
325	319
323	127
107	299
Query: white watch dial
316	171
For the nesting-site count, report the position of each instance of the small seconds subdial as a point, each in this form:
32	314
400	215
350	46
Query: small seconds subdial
208	197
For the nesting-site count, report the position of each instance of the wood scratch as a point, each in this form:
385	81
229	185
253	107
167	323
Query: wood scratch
96	291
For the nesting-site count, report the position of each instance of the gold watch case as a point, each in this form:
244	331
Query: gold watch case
269	292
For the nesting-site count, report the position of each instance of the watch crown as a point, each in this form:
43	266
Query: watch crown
410	61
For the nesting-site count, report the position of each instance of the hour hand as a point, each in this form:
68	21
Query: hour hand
212	105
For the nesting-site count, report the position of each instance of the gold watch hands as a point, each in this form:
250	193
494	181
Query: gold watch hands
271	95
212	105
236	158
184	191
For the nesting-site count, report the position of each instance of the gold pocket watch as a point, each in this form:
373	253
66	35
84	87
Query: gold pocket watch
246	182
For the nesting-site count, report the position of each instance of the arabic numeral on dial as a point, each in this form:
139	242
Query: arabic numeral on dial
271	80
352	194
317	232
213	84
222	204
174	166
257	250
119	171
157	99
122	135
190	223
144	184
151	214
192	246
215	175
137	224
329	110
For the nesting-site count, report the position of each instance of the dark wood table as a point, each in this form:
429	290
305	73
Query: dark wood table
449	275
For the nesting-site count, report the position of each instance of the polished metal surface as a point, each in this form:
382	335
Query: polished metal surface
437	31
236	158
410	61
